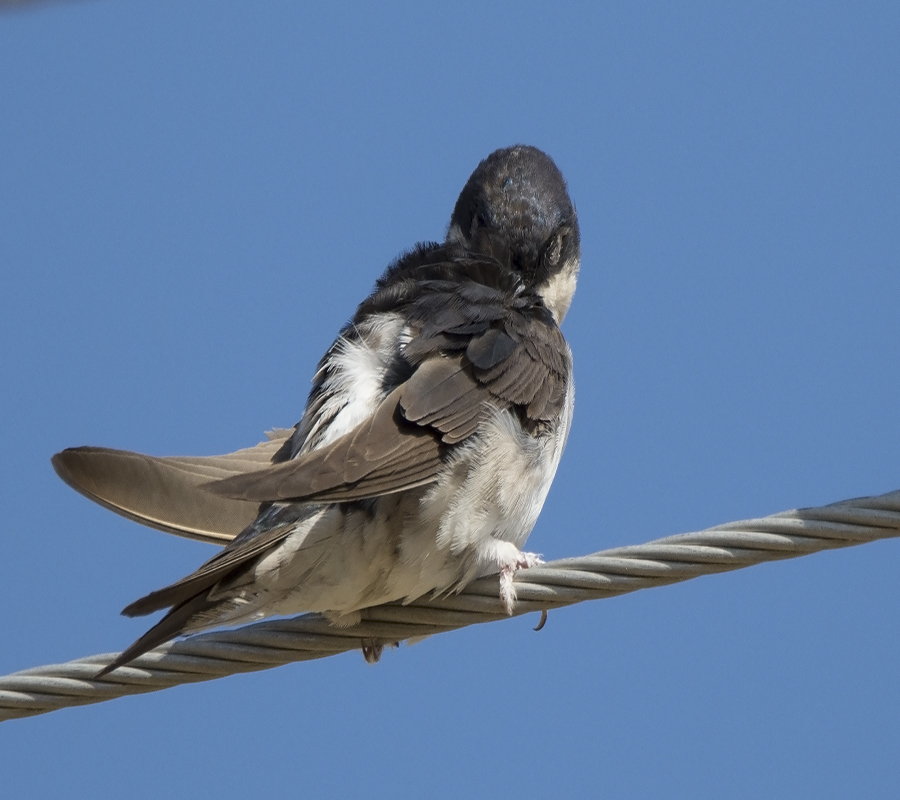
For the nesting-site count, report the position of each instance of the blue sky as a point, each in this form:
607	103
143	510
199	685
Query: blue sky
195	196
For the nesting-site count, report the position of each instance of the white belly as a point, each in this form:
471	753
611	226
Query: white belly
471	522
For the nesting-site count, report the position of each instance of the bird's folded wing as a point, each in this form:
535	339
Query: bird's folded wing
165	493
385	454
402	445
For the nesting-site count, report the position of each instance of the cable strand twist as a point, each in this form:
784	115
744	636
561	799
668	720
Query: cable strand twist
609	573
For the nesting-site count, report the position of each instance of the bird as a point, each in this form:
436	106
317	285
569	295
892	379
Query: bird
429	441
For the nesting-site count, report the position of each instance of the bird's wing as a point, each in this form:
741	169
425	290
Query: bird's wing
164	493
474	347
384	454
512	346
479	341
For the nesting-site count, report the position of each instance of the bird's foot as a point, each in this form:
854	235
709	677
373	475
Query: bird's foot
372	650
508	572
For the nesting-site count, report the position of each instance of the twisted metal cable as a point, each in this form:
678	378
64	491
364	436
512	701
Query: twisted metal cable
559	583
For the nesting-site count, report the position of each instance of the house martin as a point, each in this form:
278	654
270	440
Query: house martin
431	435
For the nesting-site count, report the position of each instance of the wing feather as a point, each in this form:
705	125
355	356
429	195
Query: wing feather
480	340
166	493
348	468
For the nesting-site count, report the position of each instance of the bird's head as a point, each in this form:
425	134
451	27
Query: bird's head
519	195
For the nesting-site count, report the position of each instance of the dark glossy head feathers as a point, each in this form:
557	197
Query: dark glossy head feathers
519	194
513	225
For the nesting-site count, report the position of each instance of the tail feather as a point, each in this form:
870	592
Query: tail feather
175	595
173	624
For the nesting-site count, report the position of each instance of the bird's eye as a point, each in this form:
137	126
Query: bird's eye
554	251
477	222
